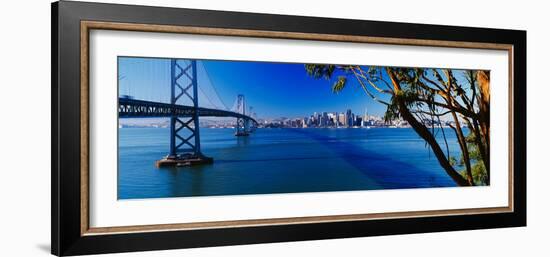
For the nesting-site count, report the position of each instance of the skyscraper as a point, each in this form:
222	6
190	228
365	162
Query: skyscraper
358	121
324	119
349	118
341	119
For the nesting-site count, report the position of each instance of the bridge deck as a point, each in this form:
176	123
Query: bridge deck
132	108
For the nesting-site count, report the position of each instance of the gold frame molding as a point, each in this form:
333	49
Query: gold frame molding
87	26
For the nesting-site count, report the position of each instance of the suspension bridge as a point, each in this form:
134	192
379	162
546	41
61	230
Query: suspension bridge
183	110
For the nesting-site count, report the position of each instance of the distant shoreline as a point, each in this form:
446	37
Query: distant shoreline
370	127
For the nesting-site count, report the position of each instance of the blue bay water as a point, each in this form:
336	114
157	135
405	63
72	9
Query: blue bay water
280	161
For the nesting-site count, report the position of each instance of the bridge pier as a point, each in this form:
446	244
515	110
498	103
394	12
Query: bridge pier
183	161
185	147
242	128
242	123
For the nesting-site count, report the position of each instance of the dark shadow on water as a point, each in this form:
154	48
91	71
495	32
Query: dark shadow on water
386	171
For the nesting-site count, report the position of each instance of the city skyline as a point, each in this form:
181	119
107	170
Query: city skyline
347	119
148	120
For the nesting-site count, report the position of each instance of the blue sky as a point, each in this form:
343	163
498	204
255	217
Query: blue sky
274	89
284	89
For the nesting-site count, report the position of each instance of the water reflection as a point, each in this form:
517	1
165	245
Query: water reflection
185	180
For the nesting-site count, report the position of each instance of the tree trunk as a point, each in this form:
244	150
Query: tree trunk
423	132
464	148
483	79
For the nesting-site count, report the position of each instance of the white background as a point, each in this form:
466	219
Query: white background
25	134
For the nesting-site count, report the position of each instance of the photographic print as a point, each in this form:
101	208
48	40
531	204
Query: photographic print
194	127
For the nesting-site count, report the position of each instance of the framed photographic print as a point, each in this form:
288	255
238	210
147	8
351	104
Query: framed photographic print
177	128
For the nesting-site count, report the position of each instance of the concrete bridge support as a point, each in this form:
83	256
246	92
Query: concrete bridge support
185	146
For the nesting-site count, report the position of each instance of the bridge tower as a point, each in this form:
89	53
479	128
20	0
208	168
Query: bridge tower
242	123
185	143
251	125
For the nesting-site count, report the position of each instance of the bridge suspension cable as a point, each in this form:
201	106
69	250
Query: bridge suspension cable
147	79
214	89
208	98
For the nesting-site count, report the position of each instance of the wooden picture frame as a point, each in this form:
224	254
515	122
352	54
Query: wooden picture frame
71	25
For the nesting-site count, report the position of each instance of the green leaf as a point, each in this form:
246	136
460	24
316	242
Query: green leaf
320	70
339	85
